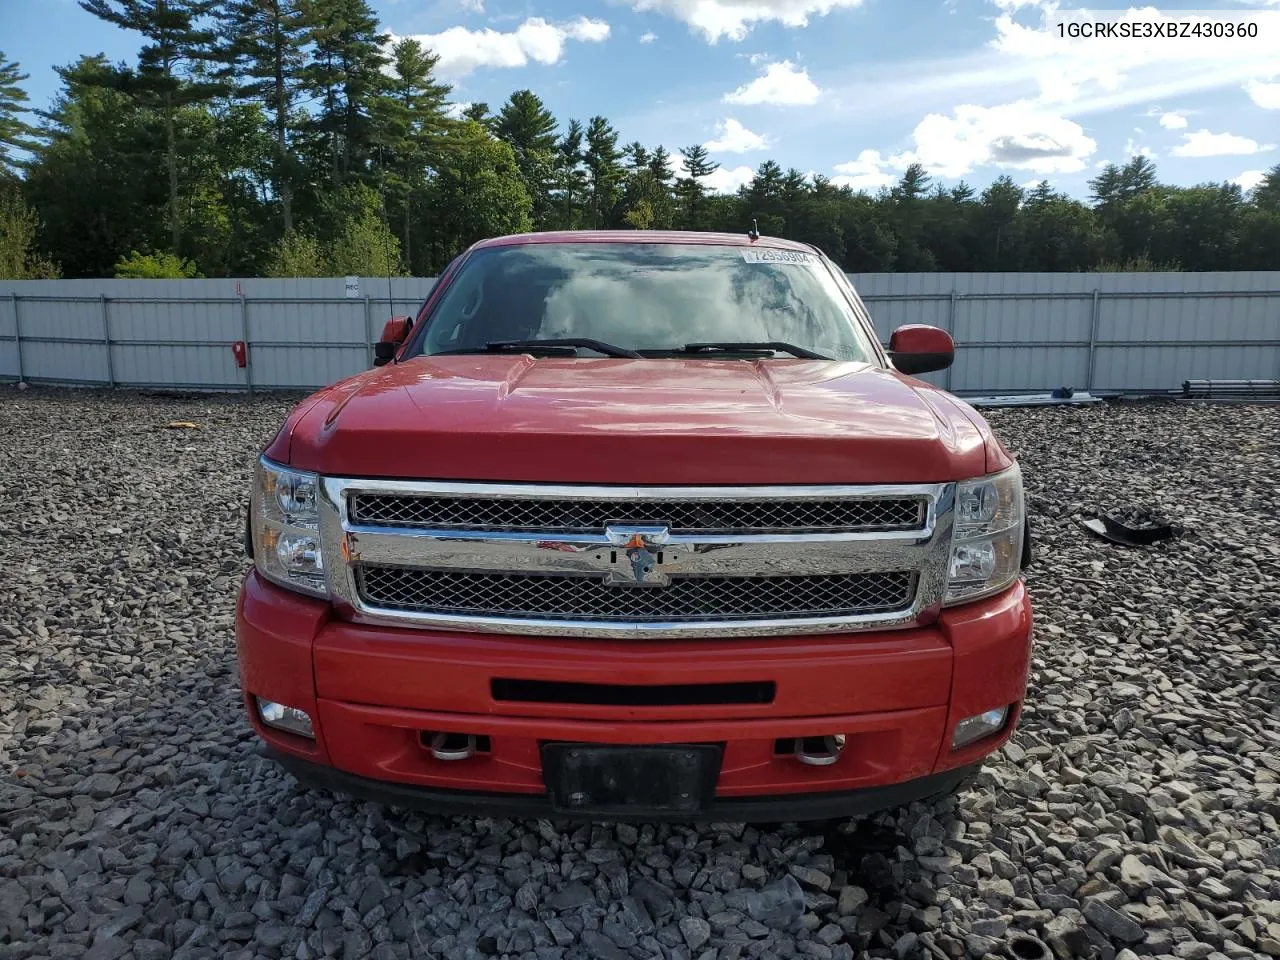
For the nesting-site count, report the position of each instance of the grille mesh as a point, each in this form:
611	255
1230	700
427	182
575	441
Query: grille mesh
589	598
681	516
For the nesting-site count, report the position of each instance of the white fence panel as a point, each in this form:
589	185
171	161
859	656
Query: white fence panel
1111	333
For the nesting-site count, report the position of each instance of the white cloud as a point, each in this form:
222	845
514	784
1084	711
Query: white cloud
1019	136
1173	120
1202	143
648	36
723	180
1265	95
781	83
1015	136
728	180
474	6
733	19
1114	71
1249	179
733	137
462	51
1131	149
865	173
587	30
456	110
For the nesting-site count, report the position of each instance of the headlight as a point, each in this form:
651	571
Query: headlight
286	528
986	541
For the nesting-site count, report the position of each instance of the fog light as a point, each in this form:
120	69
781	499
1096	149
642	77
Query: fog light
975	728
289	719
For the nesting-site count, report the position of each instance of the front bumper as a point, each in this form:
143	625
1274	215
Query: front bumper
827	805
372	693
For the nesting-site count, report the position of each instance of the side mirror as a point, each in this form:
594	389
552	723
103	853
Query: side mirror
919	348
394	333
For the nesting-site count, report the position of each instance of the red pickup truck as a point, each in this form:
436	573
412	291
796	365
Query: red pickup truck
637	525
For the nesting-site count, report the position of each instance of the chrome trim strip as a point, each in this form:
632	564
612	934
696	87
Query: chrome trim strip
924	551
540	491
682	555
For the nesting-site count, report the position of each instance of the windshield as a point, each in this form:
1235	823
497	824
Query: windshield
646	297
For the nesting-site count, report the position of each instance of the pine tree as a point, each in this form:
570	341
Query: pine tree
765	200
479	112
913	185
345	75
264	44
529	127
660	165
691	193
571	178
636	154
413	121
1120	184
997	210
14	131
172	68
604	171
663	178
1267	193
647	194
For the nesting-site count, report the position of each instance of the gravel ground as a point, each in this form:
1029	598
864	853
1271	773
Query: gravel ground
1135	813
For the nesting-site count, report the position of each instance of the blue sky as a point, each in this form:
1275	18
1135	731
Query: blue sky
852	89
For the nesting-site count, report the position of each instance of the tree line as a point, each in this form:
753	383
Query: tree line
294	138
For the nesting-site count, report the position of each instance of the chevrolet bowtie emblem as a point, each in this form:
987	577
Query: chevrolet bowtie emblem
641	556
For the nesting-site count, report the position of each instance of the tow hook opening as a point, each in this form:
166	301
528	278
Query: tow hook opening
812	751
454	746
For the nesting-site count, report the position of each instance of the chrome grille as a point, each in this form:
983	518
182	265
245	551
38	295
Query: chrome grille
622	561
685	599
681	516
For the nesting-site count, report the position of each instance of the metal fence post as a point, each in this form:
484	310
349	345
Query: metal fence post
951	329
17	334
106	340
1093	341
368	334
248	350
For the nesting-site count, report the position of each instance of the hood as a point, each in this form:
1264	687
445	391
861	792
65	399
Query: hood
685	421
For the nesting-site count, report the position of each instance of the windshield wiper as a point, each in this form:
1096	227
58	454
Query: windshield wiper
764	346
586	343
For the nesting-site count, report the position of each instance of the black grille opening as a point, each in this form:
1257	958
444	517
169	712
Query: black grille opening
786	746
680	516
621	695
684	599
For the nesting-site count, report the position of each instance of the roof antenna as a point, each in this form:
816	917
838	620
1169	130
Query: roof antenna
754	232
386	238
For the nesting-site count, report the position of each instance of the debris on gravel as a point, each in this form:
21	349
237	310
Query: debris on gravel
1134	814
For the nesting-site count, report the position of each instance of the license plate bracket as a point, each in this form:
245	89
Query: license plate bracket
668	779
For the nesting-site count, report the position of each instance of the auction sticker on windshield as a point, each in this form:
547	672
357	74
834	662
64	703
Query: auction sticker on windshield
776	256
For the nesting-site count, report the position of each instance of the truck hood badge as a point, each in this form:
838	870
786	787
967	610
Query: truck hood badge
638	562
